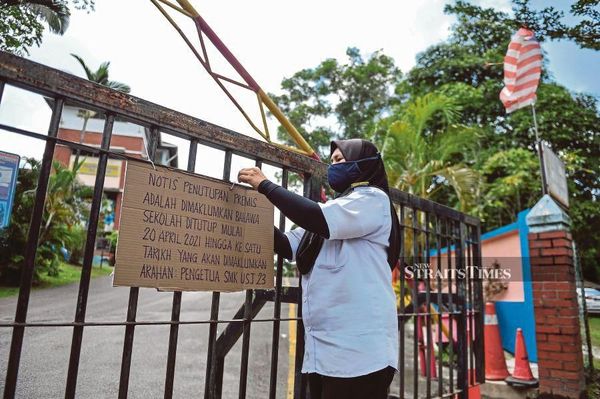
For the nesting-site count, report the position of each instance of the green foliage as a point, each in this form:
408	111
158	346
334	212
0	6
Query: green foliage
595	330
22	21
422	147
511	184
13	239
289	270
337	100
6	292
113	238
67	274
47	260
62	208
446	112
55	13
77	237
19	29
468	68
550	22
60	216
100	75
585	216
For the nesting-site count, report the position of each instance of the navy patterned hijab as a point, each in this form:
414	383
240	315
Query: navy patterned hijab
373	172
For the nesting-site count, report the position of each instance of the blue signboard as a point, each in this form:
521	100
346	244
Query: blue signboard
9	168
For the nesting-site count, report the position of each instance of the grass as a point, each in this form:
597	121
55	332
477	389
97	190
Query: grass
68	274
594	323
8	291
595	330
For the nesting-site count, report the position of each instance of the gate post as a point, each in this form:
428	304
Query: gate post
560	358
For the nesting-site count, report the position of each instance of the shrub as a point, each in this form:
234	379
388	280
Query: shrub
62	210
77	240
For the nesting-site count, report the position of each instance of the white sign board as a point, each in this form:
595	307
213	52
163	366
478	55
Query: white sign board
556	178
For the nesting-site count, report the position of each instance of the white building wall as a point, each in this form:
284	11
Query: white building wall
71	120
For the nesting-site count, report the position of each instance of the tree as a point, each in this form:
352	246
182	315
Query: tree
99	76
62	209
19	29
422	146
336	100
509	177
468	67
550	22
13	239
22	21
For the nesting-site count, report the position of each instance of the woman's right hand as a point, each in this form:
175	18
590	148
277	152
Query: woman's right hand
252	176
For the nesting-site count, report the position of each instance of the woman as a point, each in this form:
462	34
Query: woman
345	250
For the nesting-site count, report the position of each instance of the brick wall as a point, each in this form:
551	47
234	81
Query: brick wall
62	154
560	358
131	143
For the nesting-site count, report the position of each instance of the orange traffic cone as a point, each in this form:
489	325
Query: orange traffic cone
522	375
495	365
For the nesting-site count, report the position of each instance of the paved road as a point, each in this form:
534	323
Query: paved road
45	355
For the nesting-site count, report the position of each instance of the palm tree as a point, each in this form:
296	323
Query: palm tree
54	12
99	76
62	208
420	147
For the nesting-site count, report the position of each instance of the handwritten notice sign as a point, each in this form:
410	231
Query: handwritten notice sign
184	232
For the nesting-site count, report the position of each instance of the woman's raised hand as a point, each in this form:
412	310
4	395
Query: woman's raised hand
252	176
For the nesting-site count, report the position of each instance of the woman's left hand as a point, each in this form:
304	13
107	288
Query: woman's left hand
252	176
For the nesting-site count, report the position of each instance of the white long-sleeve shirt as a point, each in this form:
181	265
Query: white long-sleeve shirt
349	306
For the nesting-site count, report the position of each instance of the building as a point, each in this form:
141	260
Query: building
128	139
508	247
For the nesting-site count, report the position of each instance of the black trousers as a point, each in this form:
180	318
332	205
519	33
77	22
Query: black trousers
370	386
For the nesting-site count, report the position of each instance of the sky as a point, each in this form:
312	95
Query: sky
272	39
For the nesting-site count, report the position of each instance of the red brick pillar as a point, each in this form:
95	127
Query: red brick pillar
560	358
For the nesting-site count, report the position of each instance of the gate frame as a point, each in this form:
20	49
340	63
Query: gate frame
461	231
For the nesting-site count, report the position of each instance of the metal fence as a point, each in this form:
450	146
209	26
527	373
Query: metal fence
431	233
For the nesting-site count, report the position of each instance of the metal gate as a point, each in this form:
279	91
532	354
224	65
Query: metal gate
431	233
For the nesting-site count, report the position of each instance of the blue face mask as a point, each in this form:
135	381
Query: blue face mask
342	175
